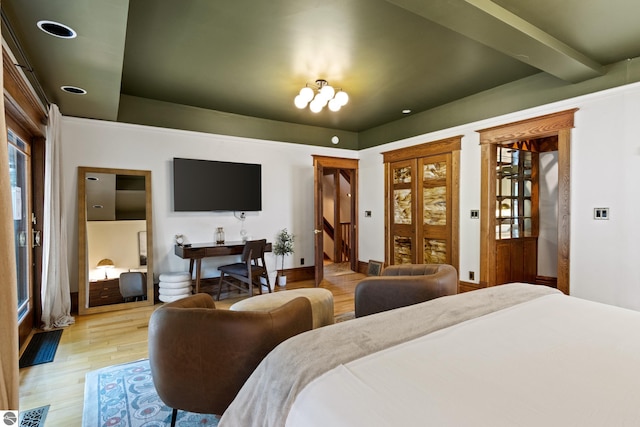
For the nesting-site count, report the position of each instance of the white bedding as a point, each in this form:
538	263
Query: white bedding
552	361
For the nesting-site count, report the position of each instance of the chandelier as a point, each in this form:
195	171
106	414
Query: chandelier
319	95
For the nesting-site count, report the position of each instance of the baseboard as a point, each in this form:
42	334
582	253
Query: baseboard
547	281
300	273
363	267
468	286
74	302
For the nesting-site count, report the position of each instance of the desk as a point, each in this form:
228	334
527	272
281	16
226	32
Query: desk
197	251
104	292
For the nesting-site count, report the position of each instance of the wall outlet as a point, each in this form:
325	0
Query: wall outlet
472	275
301	261
475	214
367	214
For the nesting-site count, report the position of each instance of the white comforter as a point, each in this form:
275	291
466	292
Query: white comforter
551	361
268	395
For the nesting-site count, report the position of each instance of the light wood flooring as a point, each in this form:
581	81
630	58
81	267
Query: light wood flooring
105	339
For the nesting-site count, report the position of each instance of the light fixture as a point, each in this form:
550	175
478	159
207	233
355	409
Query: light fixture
104	264
73	90
57	29
319	95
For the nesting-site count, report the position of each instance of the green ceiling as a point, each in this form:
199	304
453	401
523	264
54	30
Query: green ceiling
234	66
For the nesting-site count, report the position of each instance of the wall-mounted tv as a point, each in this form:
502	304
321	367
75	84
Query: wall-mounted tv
208	185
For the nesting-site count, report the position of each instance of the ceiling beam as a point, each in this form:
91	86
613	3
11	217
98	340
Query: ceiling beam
494	26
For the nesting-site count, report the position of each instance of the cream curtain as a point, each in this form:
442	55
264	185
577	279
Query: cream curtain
56	298
9	377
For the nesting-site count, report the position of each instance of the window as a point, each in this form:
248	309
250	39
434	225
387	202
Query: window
19	173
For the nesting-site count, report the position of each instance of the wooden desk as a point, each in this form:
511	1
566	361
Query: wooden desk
197	251
104	292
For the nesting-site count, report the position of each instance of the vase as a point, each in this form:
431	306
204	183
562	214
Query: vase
219	236
282	281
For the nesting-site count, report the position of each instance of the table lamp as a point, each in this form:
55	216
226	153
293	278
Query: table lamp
104	264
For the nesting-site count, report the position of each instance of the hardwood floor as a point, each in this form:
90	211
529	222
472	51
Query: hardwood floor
105	339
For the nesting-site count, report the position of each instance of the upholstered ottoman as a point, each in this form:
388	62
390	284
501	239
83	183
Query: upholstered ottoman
174	286
321	303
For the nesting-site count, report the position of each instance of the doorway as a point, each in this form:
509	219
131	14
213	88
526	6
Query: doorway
335	213
550	129
26	153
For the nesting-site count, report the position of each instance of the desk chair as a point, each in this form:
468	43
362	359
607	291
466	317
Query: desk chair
249	270
133	286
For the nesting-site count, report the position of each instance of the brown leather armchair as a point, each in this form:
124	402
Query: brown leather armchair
200	357
403	285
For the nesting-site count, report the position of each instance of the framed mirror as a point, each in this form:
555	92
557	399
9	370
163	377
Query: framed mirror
115	239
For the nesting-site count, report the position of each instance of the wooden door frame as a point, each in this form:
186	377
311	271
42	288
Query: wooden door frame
559	124
26	115
319	163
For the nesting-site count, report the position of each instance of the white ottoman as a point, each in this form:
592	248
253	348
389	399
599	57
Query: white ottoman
174	286
321	303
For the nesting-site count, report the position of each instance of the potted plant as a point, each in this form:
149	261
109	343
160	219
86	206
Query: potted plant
283	246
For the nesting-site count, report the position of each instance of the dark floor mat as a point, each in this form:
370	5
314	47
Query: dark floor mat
41	349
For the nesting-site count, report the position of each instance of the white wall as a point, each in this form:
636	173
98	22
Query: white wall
548	204
605	172
287	186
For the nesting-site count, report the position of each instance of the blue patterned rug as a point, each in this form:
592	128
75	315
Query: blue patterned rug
124	396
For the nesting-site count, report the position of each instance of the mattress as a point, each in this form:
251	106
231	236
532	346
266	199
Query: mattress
551	361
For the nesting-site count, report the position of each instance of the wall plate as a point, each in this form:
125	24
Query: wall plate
601	213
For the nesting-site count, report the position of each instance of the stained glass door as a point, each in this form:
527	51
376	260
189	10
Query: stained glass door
434	209
422	203
402	208
420	210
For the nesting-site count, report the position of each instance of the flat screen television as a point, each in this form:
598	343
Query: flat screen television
208	185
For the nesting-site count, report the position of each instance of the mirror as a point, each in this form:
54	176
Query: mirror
114	237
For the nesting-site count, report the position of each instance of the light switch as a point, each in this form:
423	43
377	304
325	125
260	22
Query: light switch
475	214
601	213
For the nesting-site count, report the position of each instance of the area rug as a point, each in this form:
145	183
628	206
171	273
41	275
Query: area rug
33	417
124	396
41	349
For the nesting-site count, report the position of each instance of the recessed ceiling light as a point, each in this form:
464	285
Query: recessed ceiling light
335	139
74	90
406	111
57	29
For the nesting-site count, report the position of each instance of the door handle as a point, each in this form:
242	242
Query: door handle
36	238
317	231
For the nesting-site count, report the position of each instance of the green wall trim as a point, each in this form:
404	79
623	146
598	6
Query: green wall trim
143	111
529	92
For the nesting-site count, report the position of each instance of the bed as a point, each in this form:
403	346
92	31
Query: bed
512	355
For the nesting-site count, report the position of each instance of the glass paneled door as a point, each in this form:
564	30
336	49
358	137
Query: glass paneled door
402	212
19	173
435	229
420	206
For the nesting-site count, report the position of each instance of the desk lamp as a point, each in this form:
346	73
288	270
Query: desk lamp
104	264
